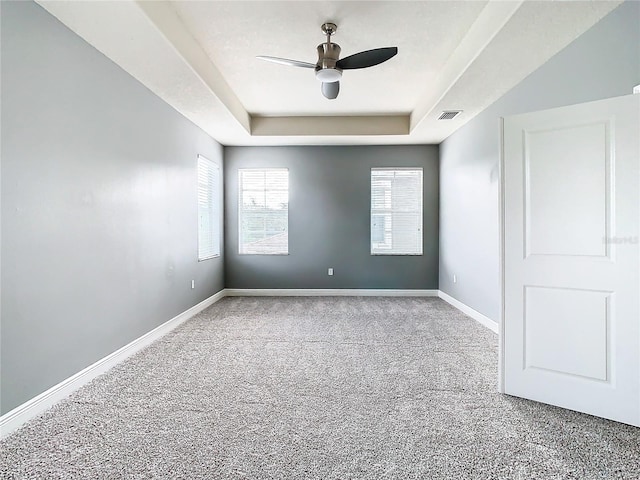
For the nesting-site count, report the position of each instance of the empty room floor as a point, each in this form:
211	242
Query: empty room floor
316	387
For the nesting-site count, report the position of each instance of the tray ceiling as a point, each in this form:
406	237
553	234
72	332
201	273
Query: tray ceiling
453	55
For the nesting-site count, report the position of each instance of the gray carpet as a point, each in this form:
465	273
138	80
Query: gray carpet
329	388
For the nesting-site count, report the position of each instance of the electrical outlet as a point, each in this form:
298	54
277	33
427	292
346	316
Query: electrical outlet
455	279
330	271
193	284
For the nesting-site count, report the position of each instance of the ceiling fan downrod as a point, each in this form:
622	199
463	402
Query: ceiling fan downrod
329	29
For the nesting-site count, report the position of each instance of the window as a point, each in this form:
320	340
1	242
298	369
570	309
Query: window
396	211
208	208
263	211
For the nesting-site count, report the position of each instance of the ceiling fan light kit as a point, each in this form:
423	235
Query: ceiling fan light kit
329	67
330	89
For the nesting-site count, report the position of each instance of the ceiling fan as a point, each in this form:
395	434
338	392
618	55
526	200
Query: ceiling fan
329	67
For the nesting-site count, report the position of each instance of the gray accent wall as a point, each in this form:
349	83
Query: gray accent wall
603	62
329	219
99	226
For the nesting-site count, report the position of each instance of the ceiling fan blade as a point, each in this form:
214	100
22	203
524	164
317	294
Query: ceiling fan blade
330	89
286	61
368	58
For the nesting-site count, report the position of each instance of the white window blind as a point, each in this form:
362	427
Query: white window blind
396	211
263	210
208	208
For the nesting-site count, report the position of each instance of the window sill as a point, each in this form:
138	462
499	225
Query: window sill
208	258
266	254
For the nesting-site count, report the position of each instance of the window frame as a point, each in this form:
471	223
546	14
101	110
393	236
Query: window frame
241	209
391	211
215	221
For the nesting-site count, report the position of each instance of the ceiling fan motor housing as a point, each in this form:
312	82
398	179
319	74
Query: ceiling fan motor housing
329	66
328	55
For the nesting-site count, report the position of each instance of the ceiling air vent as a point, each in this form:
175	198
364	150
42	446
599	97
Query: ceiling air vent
448	114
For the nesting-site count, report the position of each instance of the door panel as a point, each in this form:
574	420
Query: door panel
571	263
567	173
580	322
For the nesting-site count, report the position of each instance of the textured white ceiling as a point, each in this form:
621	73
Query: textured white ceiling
233	33
199	56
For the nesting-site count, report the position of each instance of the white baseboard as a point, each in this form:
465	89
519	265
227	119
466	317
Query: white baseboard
15	418
326	292
483	319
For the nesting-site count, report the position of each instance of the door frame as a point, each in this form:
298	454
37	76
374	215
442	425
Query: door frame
501	273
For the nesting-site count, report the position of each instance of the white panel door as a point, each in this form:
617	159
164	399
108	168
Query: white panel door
571	291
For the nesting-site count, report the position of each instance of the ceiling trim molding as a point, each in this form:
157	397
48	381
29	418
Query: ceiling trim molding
330	125
489	23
